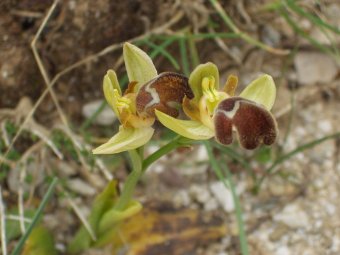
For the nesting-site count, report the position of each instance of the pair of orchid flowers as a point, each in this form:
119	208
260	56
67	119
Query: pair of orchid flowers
211	112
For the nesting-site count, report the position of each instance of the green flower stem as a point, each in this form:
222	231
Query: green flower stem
139	166
131	181
174	144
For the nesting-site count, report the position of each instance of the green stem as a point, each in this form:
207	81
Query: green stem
139	166
238	210
37	216
174	144
131	181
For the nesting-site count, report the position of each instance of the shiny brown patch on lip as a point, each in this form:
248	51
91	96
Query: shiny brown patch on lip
253	123
170	87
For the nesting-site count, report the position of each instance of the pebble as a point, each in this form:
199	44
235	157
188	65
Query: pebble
314	67
223	196
81	187
283	250
325	126
182	198
278	232
200	193
293	216
211	205
105	118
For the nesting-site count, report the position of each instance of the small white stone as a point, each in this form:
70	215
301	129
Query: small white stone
293	216
325	126
200	193
202	154
313	67
211	205
105	118
283	250
182	198
223	196
81	187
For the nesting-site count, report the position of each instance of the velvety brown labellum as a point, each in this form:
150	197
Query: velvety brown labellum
253	123
164	93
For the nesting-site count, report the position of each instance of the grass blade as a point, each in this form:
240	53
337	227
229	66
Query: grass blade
184	56
290	154
314	19
164	52
227	20
36	217
3	225
303	34
238	210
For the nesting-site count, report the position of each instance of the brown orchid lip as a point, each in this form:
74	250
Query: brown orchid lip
164	93
252	122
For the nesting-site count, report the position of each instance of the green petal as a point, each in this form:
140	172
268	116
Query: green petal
188	128
126	139
201	71
110	84
139	65
113	216
262	91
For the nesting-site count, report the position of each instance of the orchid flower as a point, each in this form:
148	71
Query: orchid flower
215	113
135	107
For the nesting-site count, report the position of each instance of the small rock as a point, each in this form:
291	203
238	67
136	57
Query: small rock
325	126
270	35
81	187
211	205
105	118
293	216
313	67
223	196
278	232
202	154
283	250
182	198
200	194
25	176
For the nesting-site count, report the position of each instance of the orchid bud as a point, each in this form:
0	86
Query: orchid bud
252	122
164	93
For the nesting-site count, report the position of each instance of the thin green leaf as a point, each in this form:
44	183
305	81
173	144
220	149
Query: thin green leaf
37	215
164	52
303	34
184	56
290	154
314	19
238	210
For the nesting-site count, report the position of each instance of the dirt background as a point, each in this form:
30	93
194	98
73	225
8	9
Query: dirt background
297	208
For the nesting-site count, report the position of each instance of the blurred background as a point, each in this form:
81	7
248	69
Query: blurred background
53	56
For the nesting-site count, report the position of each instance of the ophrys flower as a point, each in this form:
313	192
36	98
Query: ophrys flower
135	107
219	113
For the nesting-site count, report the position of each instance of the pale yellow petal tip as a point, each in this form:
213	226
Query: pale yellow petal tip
139	65
262	91
188	128
124	140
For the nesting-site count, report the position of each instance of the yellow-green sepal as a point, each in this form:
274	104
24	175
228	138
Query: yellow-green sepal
139	65
110	85
40	242
126	139
201	71
113	216
262	91
188	128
